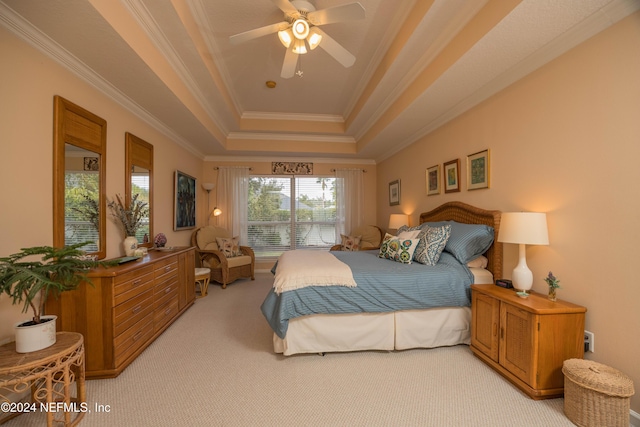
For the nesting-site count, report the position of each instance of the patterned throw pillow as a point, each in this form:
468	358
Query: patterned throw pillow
432	242
399	250
350	243
229	247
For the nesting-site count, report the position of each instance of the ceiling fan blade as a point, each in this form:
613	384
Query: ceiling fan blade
336	50
289	65
258	32
346	12
286	7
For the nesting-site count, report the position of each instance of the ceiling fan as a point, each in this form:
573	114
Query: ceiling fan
300	29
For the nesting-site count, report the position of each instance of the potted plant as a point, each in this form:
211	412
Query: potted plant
33	274
129	218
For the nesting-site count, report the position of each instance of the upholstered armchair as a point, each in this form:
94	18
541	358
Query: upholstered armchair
370	238
227	263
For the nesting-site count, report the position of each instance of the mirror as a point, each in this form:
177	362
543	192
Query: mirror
139	180
79	176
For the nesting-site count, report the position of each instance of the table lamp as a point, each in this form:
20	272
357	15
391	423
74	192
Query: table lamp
523	228
398	220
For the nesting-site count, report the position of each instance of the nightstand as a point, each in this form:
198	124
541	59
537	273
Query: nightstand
526	339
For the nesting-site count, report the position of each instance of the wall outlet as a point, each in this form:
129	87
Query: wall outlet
589	344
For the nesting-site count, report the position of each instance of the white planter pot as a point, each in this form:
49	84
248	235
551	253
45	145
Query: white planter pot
130	245
35	337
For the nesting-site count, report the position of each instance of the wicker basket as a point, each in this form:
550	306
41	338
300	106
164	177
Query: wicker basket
596	394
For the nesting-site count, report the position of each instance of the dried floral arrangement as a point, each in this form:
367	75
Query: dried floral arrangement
129	218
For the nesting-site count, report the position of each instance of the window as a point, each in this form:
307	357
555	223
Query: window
287	213
81	209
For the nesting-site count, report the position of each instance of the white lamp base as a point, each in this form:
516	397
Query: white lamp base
522	277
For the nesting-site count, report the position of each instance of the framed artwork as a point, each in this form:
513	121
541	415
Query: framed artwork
291	168
184	215
91	163
433	180
394	192
478	170
451	176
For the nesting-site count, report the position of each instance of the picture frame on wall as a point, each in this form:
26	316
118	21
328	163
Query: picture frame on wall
433	180
184	215
394	192
451	176
478	170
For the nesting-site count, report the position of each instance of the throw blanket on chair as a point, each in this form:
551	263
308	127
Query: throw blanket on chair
301	268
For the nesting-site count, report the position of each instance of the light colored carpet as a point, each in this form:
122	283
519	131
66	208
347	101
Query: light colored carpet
215	366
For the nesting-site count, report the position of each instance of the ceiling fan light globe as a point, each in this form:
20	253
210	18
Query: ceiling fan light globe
314	40
300	29
286	38
299	47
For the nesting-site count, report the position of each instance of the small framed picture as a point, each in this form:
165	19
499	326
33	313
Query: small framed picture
91	163
478	170
184	202
433	180
394	192
451	176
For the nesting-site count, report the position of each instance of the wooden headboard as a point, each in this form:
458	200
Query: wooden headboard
461	212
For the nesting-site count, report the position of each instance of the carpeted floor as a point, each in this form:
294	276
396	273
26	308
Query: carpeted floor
215	366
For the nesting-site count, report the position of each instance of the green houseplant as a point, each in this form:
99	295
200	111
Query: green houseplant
31	275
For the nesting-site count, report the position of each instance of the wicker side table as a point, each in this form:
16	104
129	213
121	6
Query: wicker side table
49	374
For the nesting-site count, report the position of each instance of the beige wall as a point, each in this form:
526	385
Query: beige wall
564	140
29	80
320	168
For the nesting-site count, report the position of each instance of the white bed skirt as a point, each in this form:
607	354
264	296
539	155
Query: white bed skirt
400	330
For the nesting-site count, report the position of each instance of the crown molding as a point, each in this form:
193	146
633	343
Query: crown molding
290	137
269	159
597	22
260	115
34	37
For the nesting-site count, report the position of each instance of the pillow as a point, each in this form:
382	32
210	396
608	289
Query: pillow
467	241
480	262
229	247
432	242
408	234
398	250
350	243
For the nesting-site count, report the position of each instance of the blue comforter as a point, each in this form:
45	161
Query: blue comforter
383	286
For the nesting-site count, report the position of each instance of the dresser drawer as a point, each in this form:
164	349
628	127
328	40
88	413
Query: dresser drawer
132	311
164	292
131	284
133	338
166	268
165	314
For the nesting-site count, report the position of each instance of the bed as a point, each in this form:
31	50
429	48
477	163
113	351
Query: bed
320	319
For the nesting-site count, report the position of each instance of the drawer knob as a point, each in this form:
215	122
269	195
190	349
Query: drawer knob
167	290
167	311
137	336
137	309
137	282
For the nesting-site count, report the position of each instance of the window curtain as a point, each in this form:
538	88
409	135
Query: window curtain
233	200
350	200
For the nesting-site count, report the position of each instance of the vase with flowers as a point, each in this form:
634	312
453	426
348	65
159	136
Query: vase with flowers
554	285
129	218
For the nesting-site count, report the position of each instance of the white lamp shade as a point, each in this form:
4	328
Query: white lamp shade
216	212
398	220
529	228
208	186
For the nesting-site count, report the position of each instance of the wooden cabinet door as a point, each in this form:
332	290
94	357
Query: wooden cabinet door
517	338
484	325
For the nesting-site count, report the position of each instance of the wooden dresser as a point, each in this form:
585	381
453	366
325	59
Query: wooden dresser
127	307
526	339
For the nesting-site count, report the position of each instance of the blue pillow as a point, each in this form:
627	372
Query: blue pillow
467	241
